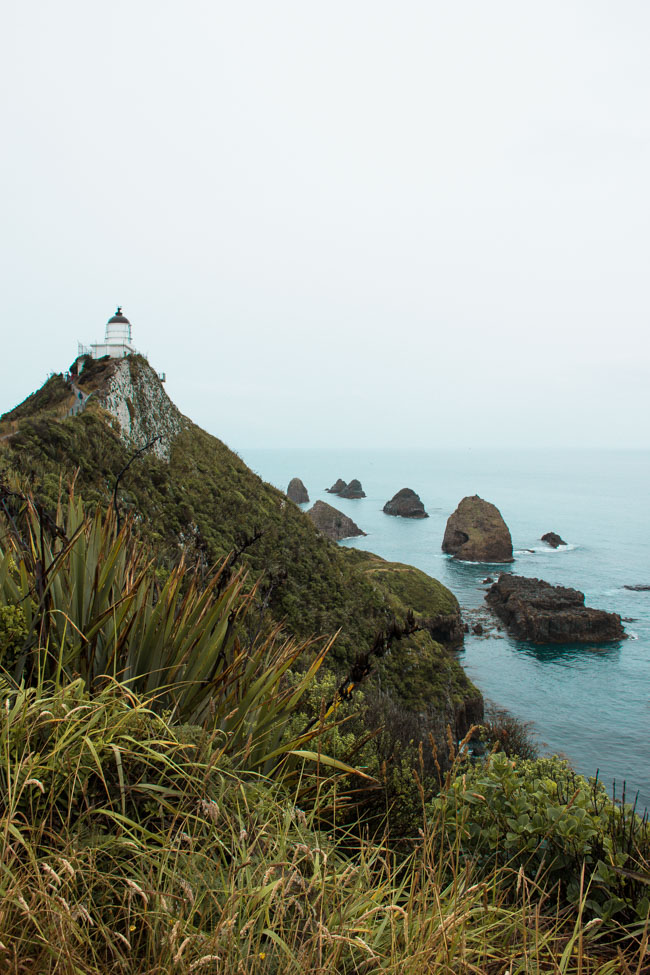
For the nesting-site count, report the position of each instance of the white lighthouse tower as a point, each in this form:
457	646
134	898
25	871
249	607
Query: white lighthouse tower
117	342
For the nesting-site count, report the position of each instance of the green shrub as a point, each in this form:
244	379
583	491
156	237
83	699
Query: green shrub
540	817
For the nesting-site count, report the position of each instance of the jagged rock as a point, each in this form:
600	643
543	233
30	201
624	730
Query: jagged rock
405	504
133	394
476	532
488	579
337	487
537	611
552	539
332	523
638	588
478	629
352	490
297	491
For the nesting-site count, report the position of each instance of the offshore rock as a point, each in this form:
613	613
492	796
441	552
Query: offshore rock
641	587
405	504
353	490
336	488
535	610
297	491
332	523
476	532
552	539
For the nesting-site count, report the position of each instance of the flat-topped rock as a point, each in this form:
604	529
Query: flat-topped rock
534	610
333	523
297	491
553	539
337	487
405	504
476	532
352	490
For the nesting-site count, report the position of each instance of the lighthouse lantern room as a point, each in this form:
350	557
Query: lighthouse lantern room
117	342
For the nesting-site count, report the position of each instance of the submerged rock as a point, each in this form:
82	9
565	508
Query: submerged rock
337	487
352	490
552	539
639	588
476	532
405	504
332	523
537	611
297	491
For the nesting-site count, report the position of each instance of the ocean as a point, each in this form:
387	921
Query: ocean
590	704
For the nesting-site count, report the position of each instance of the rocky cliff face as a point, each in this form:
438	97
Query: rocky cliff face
476	532
135	396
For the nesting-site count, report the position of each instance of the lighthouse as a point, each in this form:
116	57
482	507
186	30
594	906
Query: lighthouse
118	341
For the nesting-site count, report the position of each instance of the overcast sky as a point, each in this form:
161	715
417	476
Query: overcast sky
341	223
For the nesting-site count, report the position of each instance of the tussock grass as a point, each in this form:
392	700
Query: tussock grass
129	845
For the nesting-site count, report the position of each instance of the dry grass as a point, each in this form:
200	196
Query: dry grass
127	845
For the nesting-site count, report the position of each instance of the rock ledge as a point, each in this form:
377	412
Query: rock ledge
534	610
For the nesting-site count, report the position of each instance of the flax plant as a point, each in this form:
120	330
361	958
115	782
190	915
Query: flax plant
93	609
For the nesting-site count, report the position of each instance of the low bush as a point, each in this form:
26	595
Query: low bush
540	819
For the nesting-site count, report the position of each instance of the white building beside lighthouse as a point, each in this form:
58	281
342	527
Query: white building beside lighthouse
117	342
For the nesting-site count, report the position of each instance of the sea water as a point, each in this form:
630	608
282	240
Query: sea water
589	703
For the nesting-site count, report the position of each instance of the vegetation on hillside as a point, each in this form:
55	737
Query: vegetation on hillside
206	503
166	808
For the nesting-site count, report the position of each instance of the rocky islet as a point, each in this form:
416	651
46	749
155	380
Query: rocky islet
333	523
405	504
553	539
534	610
297	491
476	532
337	487
353	490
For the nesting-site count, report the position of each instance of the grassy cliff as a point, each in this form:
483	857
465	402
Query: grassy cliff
206	502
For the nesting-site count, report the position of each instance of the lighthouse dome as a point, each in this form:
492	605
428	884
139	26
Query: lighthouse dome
118	318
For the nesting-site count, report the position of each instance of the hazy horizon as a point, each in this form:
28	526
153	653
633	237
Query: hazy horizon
351	225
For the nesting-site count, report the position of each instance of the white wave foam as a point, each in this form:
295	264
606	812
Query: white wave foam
545	549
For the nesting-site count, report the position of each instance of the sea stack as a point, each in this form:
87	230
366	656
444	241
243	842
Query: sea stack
476	532
534	610
338	486
405	504
297	491
352	490
332	523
